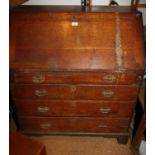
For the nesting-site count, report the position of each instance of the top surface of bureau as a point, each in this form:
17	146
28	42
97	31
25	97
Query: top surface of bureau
75	40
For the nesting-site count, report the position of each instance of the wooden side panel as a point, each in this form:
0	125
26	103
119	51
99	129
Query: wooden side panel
132	42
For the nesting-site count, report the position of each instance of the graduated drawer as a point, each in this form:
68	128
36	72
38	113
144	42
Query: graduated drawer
97	92
77	77
73	124
73	108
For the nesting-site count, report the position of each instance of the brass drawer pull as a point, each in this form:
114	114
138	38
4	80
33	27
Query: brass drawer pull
105	110
73	88
45	126
107	93
38	78
102	126
41	92
43	109
109	78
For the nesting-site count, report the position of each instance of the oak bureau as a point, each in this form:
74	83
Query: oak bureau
75	71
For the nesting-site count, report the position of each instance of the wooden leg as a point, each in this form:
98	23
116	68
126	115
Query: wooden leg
122	139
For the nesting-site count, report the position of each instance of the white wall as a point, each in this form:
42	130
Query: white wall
53	2
73	2
106	2
76	2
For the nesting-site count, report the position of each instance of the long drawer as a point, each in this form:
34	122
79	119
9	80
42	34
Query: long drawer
73	124
90	92
77	77
73	108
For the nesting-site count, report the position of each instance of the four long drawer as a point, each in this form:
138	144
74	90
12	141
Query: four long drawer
73	124
73	108
88	92
75	101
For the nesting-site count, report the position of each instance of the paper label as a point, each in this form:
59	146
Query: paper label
74	23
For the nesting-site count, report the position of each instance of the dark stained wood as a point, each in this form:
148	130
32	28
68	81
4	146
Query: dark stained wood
78	77
139	135
48	8
74	124
73	108
95	92
104	134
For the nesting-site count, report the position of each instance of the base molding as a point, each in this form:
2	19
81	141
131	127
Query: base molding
122	138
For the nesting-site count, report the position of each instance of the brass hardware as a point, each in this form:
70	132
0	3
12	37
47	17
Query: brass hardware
45	126
109	78
107	93
73	88
38	78
105	110
41	92
102	126
43	109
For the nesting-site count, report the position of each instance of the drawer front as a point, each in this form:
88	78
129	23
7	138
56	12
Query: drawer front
73	108
74	124
77	78
75	92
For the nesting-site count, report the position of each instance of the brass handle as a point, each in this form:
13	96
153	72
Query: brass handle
107	93
102	126
105	110
109	78
73	88
43	109
38	78
41	92
45	126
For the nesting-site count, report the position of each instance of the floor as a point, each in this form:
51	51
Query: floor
74	145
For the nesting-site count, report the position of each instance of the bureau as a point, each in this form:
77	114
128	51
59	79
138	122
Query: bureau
75	71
